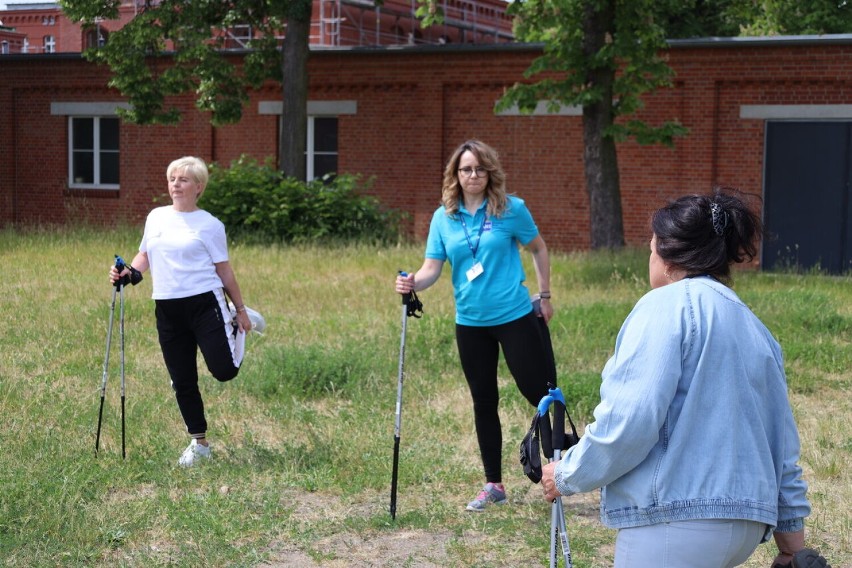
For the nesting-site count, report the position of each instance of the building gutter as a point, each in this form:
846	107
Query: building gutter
763	41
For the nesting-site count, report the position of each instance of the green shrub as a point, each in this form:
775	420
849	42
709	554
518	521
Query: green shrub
257	203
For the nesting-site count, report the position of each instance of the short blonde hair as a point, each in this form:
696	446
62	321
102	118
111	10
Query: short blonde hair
194	167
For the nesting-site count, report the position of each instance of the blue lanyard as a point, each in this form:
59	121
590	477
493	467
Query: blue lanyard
470	244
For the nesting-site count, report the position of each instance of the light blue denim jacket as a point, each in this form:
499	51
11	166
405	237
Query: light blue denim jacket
694	420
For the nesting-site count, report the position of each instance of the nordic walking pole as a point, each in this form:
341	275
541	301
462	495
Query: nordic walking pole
118	289
106	368
406	298
121	334
557	516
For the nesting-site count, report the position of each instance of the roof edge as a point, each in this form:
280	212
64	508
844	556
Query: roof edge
705	42
762	41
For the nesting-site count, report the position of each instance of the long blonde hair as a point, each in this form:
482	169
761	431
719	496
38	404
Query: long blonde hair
495	190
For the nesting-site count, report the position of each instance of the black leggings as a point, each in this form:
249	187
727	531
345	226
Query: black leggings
529	355
185	325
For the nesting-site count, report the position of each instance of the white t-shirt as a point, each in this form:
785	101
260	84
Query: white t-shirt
182	249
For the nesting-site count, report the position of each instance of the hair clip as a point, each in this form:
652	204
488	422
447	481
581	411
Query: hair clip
719	217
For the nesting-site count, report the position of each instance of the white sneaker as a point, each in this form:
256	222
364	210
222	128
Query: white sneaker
258	322
193	454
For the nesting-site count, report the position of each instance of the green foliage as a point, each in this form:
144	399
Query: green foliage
730	18
569	71
198	64
259	204
792	17
699	18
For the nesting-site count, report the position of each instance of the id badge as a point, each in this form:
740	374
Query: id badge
474	271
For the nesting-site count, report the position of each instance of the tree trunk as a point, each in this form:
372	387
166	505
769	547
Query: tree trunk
293	127
600	159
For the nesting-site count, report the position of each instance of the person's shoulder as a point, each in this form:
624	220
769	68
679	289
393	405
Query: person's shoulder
663	297
712	289
440	214
159	212
516	207
513	200
208	216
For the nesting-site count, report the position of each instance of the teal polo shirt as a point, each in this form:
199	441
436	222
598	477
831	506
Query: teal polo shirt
498	295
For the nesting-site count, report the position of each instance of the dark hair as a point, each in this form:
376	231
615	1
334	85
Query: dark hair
705	234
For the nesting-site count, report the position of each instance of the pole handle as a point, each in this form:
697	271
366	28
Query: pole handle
406	298
557	399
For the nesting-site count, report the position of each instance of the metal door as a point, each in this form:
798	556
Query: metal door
806	195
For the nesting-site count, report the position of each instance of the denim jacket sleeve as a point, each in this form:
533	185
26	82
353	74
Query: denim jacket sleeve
639	383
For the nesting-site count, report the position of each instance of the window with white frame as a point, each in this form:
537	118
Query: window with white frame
4	47
93	143
321	156
49	44
93	152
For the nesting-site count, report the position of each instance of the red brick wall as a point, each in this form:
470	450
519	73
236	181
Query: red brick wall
413	108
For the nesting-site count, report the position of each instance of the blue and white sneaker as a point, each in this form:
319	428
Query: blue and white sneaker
491	493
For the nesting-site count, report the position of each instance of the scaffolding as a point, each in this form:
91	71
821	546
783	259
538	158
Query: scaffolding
339	23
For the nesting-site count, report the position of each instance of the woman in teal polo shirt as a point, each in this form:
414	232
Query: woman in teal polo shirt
478	228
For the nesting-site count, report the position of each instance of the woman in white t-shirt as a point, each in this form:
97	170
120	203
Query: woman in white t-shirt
186	250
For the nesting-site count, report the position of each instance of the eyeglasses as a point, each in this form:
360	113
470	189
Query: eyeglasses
478	170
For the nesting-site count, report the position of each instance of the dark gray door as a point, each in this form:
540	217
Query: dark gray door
807	194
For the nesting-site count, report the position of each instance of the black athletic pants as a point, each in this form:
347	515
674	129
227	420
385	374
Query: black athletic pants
185	325
529	355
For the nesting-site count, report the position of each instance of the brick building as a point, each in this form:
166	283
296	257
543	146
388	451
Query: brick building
770	116
43	28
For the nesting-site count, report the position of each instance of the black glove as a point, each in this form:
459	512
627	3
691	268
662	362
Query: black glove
134	278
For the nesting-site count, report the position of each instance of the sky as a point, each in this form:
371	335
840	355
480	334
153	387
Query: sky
4	2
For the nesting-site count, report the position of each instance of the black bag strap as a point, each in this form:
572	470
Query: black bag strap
413	305
573	438
530	451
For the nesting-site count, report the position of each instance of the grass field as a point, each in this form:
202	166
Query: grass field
303	437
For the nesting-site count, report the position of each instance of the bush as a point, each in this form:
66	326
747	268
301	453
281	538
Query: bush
257	203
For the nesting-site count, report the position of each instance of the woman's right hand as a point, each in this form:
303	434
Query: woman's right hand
114	275
405	284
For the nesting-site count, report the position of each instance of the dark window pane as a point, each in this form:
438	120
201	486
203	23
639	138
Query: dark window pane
84	167
109	134
84	133
324	165
325	134
109	167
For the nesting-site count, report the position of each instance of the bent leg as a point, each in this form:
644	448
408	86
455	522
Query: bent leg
217	336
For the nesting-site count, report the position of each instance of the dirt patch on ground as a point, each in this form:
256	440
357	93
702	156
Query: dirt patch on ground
399	548
402	548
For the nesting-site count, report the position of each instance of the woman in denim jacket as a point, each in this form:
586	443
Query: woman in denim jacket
693	443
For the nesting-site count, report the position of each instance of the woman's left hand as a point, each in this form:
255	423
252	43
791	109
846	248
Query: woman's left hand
548	481
546	310
243	321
